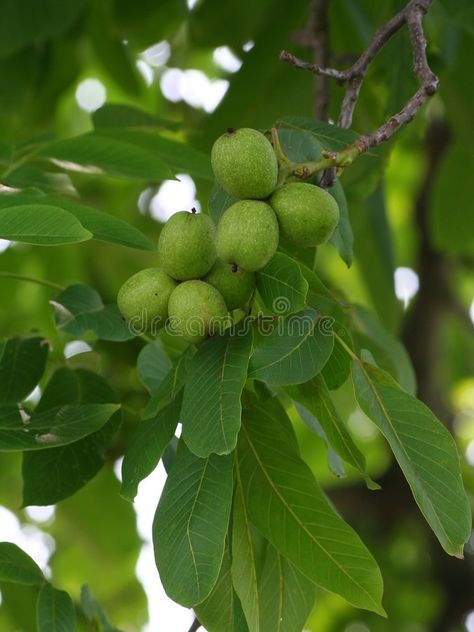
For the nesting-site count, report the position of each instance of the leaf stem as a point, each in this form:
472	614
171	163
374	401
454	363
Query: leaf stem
24	277
346	347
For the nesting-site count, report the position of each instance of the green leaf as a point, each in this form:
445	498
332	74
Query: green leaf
294	352
22	363
171	384
55	610
41	225
245	557
119	115
375	255
180	157
147	446
335	463
105	227
338	368
46	181
79	310
94	612
287	596
289	509
274	595
221	610
342	237
153	364
99	154
52	475
58	426
282	286
330	136
219	202
388	351
424	449
212	410
190	525
18	567
314	395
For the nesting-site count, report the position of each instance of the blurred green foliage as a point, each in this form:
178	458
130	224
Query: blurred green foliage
46	50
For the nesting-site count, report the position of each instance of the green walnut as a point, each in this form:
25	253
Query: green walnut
186	247
197	310
245	164
247	235
306	213
143	299
235	284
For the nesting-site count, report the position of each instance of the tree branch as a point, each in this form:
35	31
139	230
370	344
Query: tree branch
353	77
195	625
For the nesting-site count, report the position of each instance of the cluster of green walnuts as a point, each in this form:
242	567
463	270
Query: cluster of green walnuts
206	272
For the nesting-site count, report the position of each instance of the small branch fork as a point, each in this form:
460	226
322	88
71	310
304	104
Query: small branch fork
353	77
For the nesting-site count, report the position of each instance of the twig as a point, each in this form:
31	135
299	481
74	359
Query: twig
320	39
353	77
24	277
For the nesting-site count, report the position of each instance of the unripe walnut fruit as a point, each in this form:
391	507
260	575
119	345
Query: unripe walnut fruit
196	309
235	284
245	164
247	235
307	214
143	299
186	247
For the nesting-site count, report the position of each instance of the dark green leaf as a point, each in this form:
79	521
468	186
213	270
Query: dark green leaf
79	310
18	567
171	384
342	237
190	525
51	428
294	352
424	449
55	610
22	363
29	22
375	256
222	610
100	154
387	350
315	396
286	595
104	226
94	612
153	364
335	463
219	202
46	181
338	368
330	136
54	474
282	286
180	157
147	446
41	225
212	410
118	115
289	509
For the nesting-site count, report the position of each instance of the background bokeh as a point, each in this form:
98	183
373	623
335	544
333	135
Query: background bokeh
209	65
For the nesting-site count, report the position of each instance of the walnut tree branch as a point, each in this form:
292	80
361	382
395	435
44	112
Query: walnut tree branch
411	16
